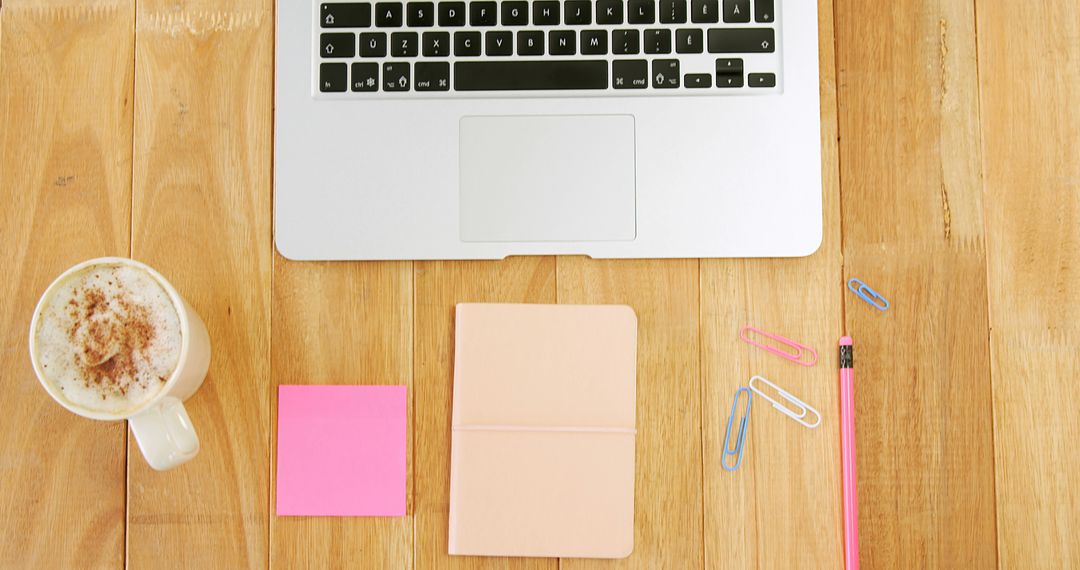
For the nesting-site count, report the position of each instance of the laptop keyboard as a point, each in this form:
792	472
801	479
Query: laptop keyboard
545	48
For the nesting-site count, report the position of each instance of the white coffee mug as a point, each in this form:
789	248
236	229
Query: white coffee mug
161	425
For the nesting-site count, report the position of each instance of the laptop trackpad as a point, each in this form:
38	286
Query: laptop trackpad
547	178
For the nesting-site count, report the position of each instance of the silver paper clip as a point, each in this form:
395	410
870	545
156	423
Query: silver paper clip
740	440
802	408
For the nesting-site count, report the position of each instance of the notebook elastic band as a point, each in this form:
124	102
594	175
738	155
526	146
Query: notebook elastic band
546	429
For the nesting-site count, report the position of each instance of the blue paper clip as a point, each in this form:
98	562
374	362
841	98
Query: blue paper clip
740	442
867	294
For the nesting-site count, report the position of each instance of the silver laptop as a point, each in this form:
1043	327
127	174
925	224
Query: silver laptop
610	128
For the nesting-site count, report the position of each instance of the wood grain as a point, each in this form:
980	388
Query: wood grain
913	230
439	287
342	323
761	516
959	468
668	493
66	73
1030	78
201	215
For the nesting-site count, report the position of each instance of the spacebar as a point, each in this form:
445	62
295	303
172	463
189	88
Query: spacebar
529	75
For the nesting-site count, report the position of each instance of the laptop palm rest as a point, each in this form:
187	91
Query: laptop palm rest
547	178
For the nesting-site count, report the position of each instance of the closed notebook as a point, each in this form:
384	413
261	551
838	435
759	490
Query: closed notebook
542	457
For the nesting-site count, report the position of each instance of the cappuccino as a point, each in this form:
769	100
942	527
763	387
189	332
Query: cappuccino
108	338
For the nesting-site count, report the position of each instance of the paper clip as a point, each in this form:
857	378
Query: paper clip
795	415
796	356
740	440
867	294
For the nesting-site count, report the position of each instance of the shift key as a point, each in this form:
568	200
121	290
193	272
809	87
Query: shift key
742	40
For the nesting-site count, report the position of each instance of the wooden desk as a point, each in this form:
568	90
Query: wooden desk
952	183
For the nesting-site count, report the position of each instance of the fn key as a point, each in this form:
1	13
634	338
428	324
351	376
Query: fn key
333	78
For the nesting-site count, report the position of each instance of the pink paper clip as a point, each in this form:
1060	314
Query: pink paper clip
796	356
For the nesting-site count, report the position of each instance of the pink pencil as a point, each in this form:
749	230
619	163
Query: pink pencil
847	454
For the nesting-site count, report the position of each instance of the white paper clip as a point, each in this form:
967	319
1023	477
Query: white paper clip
802	407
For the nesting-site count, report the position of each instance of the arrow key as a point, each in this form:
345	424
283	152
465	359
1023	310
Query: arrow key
395	76
665	73
337	45
762	80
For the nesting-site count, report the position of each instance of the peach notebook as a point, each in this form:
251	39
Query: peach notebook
542	457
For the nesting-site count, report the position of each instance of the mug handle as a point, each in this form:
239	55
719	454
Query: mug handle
165	434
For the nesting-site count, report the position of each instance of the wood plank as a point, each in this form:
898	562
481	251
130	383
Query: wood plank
202	216
913	229
668	493
439	287
342	323
1030	85
789	480
66	73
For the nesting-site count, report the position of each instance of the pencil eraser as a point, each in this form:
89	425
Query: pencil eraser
845	341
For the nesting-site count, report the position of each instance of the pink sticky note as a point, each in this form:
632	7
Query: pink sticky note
341	451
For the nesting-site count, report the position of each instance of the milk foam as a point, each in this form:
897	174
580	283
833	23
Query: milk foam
108	338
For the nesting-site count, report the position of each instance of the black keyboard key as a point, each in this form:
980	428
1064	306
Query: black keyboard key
593	42
696	80
736	11
545	13
420	14
761	80
499	43
466	44
365	77
482	13
562	42
373	44
672	11
578	13
625	42
689	41
733	66
665	73
436	44
404	44
729	80
515	13
451	14
388	14
356	15
764	11
630	74
609	11
333	77
704	11
729	72
530	43
657	41
395	76
742	40
529	75
641	11
337	45
432	76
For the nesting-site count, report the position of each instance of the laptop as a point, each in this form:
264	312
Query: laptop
485	129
